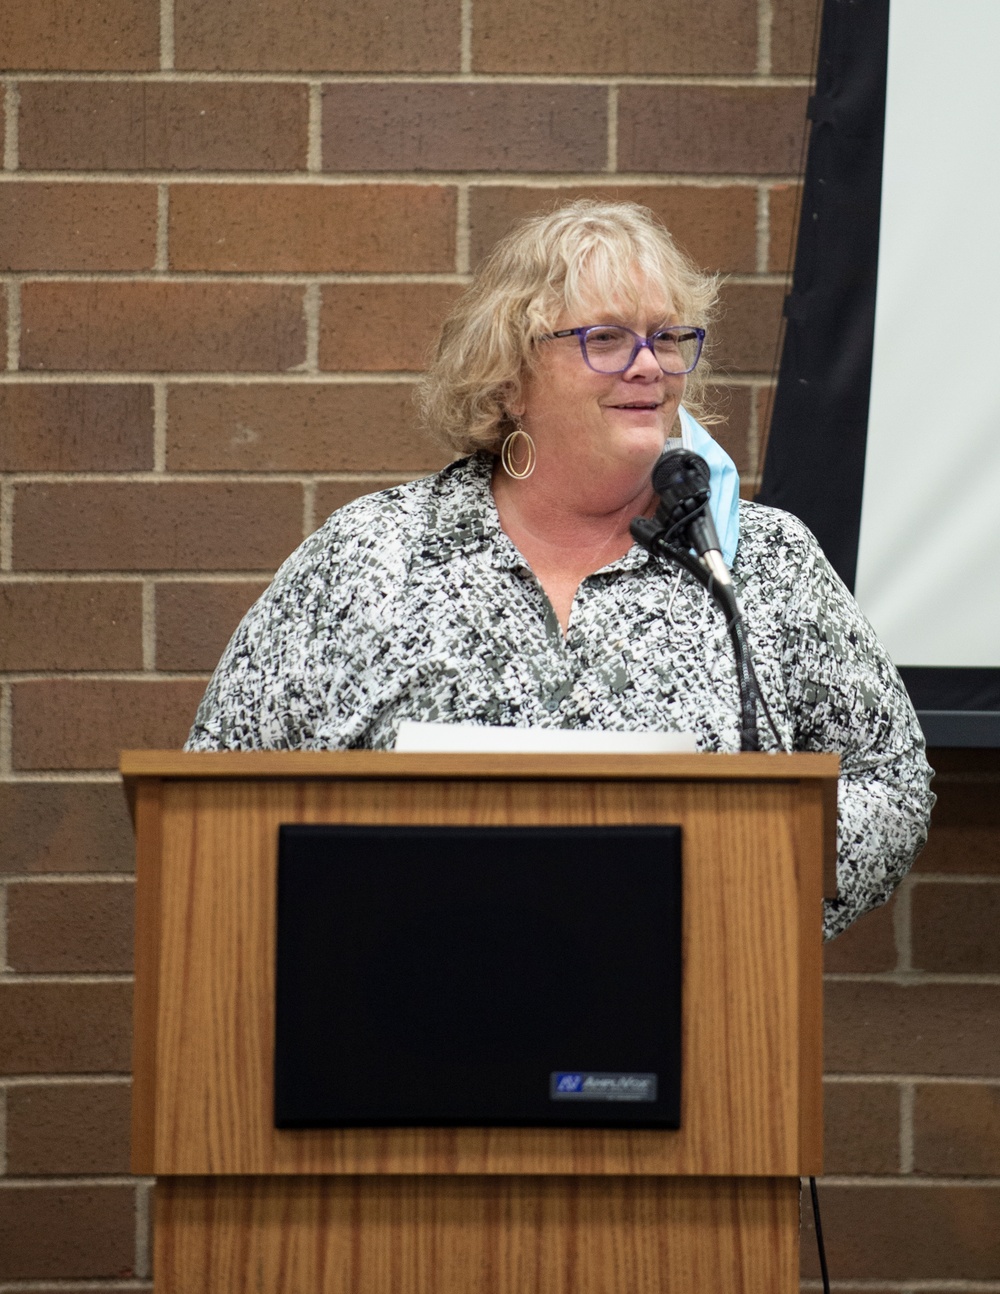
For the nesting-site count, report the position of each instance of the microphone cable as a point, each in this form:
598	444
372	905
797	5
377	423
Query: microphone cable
819	1235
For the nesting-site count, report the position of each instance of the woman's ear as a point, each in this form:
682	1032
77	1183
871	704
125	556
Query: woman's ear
512	400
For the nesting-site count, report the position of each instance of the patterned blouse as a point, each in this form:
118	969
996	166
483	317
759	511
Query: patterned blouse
414	604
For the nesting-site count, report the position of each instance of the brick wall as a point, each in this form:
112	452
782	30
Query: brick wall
213	217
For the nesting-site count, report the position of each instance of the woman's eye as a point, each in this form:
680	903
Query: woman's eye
605	336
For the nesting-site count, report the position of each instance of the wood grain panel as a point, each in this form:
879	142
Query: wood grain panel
743	1053
384	764
479	1235
811	851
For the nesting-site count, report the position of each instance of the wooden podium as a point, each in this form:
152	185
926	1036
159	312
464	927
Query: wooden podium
712	1208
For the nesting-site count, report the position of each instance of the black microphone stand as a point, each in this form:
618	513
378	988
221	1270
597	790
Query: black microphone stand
654	537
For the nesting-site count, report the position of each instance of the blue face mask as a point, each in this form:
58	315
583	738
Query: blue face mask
725	483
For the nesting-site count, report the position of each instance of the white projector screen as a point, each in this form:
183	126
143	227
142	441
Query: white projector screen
928	573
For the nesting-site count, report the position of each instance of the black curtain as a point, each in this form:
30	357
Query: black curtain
815	460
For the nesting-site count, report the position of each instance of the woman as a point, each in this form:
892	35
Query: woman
507	589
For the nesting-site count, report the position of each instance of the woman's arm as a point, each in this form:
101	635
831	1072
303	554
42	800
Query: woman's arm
846	696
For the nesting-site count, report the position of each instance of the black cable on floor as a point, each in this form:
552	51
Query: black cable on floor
819	1236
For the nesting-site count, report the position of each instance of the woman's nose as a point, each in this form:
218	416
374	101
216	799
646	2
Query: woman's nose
645	363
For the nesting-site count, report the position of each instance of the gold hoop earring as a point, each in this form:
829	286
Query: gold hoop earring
522	471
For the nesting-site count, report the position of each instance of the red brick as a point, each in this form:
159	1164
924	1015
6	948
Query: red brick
607	36
340	427
368	327
162	126
956	1129
428	127
65	1028
76	427
907	1233
783	219
717	227
64	35
965	828
873	1027
145	526
77	723
297	36
71	626
331	495
195	621
376	227
64	827
794	36
58	1129
860	1128
955	928
57	1231
77	226
159	327
83	926
707	129
746	336
868	946
733	404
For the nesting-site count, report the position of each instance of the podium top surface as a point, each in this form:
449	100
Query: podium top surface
380	764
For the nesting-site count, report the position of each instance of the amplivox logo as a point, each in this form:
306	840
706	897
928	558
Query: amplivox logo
588	1086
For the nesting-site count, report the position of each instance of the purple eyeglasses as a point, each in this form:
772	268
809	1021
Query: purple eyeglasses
611	348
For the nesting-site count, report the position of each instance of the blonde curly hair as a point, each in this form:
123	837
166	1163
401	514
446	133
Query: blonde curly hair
610	251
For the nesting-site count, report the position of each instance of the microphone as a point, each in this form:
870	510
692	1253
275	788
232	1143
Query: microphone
682	480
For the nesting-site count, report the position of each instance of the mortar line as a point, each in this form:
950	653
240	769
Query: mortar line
69	878
765	23
106	676
56	1080
13	325
259	378
463	234
906	1104
7	968
65	977
6	525
410	179
308	508
611	164
311	305
465	39
162	228
902	928
943	878
6	735
739	80
753	431
914	978
148	625
166	35
287	476
314	131
142	1229
763	231
12	106
83	776
159	431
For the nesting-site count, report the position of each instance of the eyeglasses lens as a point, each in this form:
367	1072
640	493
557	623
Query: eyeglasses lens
609	350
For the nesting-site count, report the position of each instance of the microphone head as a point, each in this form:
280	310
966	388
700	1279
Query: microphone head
682	479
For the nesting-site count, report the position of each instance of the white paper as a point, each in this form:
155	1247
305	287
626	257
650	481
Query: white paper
928	575
475	738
